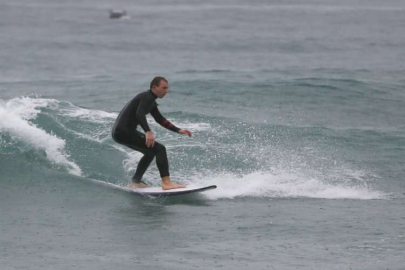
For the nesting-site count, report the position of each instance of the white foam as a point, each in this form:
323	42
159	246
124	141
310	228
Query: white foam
96	116
131	163
193	126
260	184
14	116
26	107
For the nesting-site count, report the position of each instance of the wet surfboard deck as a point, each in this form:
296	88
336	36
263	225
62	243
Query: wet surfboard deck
159	192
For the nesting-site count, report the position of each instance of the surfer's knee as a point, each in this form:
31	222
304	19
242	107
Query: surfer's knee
160	148
149	155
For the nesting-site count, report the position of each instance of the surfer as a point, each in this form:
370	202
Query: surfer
124	132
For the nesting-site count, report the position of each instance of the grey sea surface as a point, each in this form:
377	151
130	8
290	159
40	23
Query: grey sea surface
297	110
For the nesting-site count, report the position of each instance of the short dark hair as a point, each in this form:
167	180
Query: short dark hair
156	81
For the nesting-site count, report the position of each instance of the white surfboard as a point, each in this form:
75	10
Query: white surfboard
159	192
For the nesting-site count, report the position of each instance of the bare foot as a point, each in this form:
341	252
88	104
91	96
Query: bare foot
171	185
168	184
133	185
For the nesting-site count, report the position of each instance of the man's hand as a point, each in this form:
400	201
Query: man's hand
185	131
150	139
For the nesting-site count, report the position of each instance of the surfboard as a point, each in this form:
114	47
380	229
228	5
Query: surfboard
159	192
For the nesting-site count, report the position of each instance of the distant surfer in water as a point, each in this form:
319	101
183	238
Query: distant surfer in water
124	132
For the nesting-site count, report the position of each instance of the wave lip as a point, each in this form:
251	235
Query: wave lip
14	119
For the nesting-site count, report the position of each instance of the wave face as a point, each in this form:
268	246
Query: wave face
242	159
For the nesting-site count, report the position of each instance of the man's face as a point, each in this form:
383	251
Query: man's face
161	90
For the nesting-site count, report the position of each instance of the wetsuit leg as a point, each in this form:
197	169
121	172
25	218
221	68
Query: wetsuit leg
136	141
143	165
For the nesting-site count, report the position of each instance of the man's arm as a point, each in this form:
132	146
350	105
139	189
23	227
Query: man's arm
141	112
163	121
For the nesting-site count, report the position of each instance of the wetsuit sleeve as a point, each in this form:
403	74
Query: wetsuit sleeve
163	121
142	111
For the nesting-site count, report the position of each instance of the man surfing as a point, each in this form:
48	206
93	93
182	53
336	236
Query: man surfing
124	132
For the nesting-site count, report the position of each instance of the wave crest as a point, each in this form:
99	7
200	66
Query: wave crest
14	119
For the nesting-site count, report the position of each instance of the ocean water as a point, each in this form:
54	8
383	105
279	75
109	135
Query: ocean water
298	115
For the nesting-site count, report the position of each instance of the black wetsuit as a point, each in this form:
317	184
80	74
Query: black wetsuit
124	132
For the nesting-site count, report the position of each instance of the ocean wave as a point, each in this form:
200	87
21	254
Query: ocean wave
233	155
15	116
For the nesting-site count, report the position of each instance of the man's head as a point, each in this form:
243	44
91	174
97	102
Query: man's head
159	86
